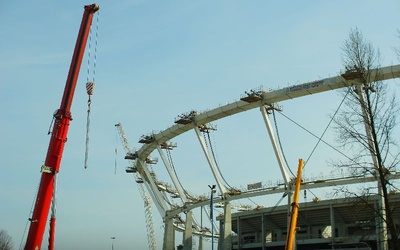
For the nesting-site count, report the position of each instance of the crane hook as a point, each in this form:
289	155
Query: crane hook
89	90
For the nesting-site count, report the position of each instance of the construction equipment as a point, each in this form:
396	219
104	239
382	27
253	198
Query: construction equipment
62	118
294	211
140	183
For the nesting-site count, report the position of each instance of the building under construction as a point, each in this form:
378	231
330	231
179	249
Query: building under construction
346	223
334	224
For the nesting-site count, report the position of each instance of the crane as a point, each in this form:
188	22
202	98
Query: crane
140	183
62	118
294	211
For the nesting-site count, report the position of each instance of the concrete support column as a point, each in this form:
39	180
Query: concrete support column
200	243
187	235
263	236
381	232
333	224
226	234
221	234
169	234
239	233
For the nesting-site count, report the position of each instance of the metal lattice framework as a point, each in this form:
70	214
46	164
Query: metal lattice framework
146	200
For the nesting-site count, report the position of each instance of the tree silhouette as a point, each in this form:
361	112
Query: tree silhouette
366	124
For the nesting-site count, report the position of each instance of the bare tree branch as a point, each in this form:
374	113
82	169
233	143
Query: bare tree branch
5	240
366	124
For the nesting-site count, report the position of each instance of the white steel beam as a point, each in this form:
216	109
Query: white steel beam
161	205
173	176
281	190
214	169
268	97
277	150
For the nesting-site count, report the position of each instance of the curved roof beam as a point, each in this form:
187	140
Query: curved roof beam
268	97
264	98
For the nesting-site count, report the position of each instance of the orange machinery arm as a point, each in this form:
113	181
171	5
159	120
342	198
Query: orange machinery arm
294	210
62	118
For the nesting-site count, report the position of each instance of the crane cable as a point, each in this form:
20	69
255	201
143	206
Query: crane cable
320	137
279	141
213	154
327	126
90	85
169	157
30	214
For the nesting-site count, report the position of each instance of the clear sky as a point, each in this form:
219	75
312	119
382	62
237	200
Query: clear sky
155	60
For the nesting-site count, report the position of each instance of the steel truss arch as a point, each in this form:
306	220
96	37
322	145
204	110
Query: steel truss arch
251	100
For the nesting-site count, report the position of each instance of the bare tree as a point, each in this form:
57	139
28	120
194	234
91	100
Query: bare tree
5	240
366	123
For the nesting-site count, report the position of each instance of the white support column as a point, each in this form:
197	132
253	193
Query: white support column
173	176
187	235
226	236
211	162
383	228
279	156
161	205
277	150
169	234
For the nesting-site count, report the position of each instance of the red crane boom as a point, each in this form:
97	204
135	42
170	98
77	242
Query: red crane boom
62	118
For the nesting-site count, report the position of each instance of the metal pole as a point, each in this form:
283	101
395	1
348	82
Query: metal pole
201	226
212	187
112	242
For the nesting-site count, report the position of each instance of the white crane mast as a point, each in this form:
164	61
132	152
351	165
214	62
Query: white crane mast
146	200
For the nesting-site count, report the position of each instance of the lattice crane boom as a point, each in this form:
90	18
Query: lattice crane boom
146	200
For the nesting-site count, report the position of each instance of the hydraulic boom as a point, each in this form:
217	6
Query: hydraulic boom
62	118
291	234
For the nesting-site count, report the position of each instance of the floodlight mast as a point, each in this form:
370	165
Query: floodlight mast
62	118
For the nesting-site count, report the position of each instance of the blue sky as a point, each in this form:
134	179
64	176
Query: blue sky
155	60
